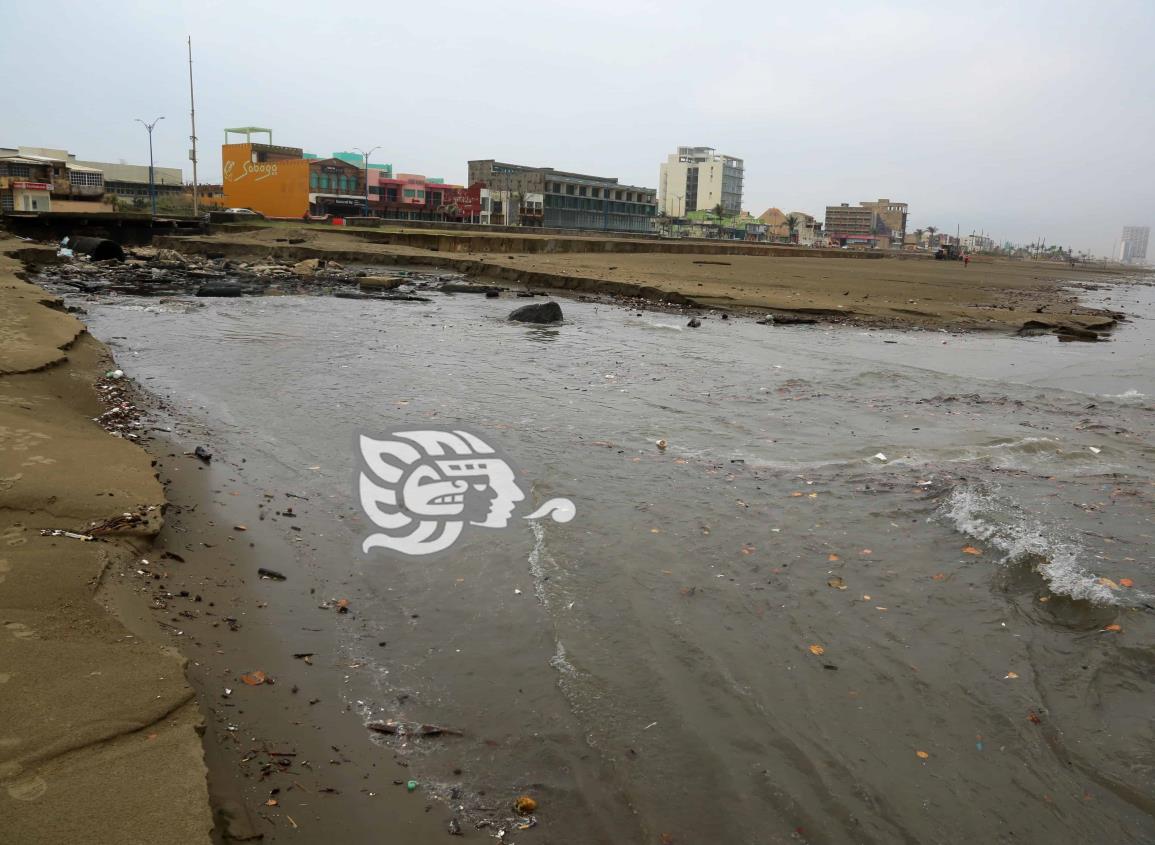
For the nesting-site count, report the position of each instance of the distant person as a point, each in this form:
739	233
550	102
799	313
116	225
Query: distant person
966	261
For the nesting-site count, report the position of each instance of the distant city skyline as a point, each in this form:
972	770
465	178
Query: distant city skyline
1022	122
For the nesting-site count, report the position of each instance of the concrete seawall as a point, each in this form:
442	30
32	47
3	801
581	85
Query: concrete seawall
467	243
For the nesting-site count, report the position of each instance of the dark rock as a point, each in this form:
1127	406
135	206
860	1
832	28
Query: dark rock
271	574
694	323
787	320
457	287
203	453
544	312
220	290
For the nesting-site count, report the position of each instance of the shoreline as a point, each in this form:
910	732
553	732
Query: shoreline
182	597
209	576
100	740
291	740
992	295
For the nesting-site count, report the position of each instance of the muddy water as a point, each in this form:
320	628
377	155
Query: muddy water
763	633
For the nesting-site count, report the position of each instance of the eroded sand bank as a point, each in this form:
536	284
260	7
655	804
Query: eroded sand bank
98	729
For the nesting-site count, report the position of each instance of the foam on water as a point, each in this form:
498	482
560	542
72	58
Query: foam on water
978	511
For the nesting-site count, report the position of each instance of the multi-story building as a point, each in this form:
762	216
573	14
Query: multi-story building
559	199
26	182
807	230
76	185
880	224
892	218
978	243
288	182
698	179
1133	244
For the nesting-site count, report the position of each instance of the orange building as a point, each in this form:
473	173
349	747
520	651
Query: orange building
266	178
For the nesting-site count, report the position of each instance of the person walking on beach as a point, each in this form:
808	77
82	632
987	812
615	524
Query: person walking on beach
966	261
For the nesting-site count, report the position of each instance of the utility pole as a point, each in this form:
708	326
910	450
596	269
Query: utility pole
193	117
366	155
151	170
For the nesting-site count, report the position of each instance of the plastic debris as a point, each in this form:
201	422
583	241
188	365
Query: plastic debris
397	728
59	532
411	785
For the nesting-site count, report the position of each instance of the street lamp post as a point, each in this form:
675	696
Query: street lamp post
366	155
151	176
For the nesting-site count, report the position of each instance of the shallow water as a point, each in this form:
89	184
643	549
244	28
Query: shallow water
649	668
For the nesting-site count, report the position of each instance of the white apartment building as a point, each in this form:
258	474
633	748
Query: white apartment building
1133	245
697	179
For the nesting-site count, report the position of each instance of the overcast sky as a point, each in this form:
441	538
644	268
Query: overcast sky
1023	119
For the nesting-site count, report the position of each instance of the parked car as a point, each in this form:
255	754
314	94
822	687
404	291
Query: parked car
245	212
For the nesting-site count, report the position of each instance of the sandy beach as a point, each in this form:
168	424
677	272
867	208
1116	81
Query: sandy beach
904	291
100	728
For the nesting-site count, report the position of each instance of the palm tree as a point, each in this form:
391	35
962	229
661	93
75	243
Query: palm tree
718	211
792	222
918	235
931	231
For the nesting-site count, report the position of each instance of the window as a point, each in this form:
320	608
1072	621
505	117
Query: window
410	193
313	182
569	189
77	177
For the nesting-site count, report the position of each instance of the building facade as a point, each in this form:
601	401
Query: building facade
66	183
879	225
271	179
26	183
807	230
1133	244
559	199
698	179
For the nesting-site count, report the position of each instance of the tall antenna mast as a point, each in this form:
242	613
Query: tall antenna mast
193	116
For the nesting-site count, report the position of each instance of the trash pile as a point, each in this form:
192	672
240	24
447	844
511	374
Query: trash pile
149	271
123	418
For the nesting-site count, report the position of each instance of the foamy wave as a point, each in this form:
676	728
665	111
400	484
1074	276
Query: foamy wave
1126	395
979	512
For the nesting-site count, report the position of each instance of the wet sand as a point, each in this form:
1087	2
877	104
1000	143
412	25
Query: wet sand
992	294
287	760
98	728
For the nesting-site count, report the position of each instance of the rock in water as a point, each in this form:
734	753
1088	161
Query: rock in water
308	267
223	289
694	323
543	312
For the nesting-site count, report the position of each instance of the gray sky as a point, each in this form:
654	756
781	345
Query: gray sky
1018	117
